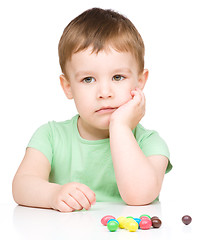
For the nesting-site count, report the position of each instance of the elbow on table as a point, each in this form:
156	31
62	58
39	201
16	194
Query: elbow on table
139	199
136	202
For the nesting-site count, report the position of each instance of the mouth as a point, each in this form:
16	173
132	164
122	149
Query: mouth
106	109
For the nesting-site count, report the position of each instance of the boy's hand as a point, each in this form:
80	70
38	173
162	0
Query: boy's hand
73	196
130	113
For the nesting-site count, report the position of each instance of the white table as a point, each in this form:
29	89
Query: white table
33	223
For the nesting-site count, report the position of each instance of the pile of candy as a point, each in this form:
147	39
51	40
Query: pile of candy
131	224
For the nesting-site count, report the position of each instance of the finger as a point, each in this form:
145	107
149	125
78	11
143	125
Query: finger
63	207
81	198
143	101
142	96
90	195
72	202
137	96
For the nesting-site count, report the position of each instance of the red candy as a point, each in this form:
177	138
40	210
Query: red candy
145	223
106	218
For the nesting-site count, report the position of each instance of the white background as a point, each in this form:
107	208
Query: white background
30	93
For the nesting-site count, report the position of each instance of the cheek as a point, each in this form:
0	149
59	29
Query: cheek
125	95
127	98
82	102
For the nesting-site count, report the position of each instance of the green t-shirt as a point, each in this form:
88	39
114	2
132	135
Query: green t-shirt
74	159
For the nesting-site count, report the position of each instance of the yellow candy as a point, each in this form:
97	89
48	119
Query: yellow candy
132	226
121	221
127	222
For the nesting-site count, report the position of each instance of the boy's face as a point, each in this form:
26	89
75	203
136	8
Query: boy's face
99	84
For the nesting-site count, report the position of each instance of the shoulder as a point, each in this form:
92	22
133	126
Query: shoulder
63	126
150	141
51	131
51	135
53	127
142	133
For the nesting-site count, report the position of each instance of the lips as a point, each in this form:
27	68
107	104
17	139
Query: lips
106	109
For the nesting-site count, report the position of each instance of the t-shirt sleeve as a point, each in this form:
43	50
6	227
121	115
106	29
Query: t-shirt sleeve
152	144
42	141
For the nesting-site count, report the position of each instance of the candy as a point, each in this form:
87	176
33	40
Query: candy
186	219
142	217
145	224
132	226
121	221
113	220
112	225
156	223
106	218
128	221
145	215
138	221
154	217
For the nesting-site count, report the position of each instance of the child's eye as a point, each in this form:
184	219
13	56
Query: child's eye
88	80
118	77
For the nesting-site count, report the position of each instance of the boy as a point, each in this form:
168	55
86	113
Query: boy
103	153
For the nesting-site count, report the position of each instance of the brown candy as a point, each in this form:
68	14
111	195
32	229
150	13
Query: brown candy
154	217
186	219
156	223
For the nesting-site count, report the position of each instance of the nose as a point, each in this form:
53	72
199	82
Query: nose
104	90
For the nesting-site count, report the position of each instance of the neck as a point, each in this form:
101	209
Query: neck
89	133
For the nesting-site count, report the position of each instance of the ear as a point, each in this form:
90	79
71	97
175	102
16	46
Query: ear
66	86
143	79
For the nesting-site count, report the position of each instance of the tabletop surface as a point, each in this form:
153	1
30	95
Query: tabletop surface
34	223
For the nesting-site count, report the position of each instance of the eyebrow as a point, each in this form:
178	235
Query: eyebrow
89	73
83	73
120	70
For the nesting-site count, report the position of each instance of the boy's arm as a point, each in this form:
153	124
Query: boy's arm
32	188
139	178
30	184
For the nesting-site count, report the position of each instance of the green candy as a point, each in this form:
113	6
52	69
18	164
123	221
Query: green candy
112	226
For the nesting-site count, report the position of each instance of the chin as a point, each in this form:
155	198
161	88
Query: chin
104	124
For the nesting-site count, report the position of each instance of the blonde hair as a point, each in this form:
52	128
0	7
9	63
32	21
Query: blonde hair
99	29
